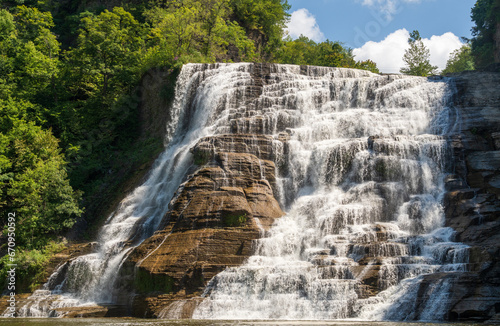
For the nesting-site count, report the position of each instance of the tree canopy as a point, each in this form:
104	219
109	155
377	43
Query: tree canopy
417	58
486	16
304	51
460	60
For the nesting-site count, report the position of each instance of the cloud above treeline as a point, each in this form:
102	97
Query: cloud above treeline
388	7
302	22
388	53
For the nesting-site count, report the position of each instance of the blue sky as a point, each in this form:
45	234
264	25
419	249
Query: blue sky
381	27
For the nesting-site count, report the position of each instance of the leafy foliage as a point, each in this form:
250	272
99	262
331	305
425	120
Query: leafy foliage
109	47
29	53
304	51
460	60
31	266
417	58
34	179
266	17
486	16
235	220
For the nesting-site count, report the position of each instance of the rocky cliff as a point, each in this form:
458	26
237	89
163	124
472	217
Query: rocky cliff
226	203
473	202
497	43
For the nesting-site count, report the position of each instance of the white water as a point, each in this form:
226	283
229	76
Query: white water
352	202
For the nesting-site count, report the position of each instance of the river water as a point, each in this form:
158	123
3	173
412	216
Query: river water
149	322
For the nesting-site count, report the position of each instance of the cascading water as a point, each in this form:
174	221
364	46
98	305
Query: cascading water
361	176
360	161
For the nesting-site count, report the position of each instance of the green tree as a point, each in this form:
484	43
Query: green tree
33	178
218	32
29	54
486	16
460	60
304	51
174	30
108	55
199	31
7	27
334	54
368	65
300	51
265	19
417	58
7	37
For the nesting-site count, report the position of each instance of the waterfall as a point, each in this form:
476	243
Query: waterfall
91	279
361	178
360	163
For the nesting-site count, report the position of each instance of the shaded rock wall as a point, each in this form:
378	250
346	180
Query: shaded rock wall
497	43
472	204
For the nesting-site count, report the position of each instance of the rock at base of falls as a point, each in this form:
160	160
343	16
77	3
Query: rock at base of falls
219	210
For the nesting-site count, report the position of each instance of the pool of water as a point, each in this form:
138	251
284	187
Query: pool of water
150	322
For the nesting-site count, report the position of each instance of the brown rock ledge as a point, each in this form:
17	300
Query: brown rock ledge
216	214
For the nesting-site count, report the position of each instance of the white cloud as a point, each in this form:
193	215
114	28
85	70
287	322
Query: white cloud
302	22
388	53
388	7
441	48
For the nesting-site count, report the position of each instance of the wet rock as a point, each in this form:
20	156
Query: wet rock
471	300
83	312
484	161
218	211
454	182
496	140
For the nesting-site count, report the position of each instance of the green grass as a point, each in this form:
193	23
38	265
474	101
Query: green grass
31	266
234	220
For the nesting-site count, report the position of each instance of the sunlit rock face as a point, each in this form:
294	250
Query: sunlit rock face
296	192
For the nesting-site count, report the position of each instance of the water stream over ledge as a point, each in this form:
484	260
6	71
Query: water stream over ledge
360	177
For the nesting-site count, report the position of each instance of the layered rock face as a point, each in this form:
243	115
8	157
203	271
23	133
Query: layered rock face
225	204
472	204
497	43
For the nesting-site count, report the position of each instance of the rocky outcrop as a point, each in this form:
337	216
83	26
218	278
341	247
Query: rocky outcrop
473	202
59	261
225	203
